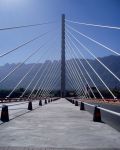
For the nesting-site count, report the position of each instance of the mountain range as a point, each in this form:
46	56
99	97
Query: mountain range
112	62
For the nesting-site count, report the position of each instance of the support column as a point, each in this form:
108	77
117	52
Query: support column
63	58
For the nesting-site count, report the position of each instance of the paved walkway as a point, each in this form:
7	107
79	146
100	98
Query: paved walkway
58	125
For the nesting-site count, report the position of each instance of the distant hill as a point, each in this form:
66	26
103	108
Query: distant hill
112	62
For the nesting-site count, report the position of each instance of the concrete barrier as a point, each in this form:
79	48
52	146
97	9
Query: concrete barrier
45	101
82	107
76	103
40	102
97	114
4	114
30	106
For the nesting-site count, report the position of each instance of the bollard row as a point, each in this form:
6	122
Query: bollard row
96	114
5	112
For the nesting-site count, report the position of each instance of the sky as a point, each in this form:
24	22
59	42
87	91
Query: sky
24	12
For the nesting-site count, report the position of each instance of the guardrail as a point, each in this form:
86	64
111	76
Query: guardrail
100	114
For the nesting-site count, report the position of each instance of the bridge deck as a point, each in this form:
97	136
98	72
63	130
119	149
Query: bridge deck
57	125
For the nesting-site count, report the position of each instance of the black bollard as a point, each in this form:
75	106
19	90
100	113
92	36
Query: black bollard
45	101
82	107
4	114
73	102
97	115
76	103
40	103
30	106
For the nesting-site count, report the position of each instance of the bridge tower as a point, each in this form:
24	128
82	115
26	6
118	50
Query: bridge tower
63	57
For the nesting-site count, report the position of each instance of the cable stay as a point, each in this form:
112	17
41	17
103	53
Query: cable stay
55	82
44	79
78	88
73	76
19	65
84	90
48	80
71	41
26	26
91	39
22	45
39	88
81	71
50	84
28	72
39	70
72	66
38	81
97	73
70	84
44	72
35	75
97	58
83	75
93	25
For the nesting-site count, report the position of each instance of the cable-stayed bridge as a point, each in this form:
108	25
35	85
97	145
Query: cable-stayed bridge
72	48
63	69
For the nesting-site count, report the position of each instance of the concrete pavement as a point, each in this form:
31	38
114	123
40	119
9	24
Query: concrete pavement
18	108
58	125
